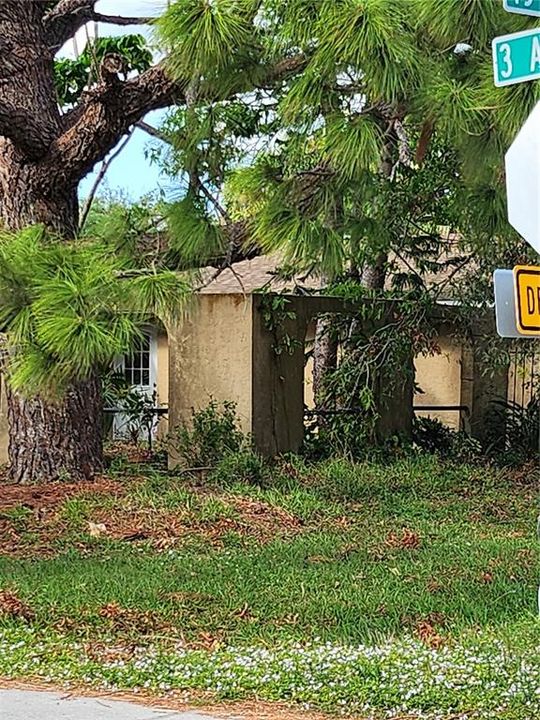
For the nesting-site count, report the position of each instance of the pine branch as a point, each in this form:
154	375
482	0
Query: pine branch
195	179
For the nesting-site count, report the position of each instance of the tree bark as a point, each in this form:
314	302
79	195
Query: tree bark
325	353
43	156
56	441
29	194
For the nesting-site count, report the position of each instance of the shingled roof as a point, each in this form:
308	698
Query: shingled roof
250	276
261	273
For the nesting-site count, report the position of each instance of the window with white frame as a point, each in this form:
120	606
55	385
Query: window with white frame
137	364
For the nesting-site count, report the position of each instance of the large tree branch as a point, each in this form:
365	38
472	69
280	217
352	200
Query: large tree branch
107	111
153	132
104	115
62	22
121	20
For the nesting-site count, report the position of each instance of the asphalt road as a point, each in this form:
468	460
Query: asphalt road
34	705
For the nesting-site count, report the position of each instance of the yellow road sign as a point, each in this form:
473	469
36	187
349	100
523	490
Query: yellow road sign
527	288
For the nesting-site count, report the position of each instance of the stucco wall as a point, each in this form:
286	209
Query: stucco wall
211	357
309	398
439	377
222	350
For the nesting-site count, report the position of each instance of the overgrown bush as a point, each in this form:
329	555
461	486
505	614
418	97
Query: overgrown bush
244	467
434	437
520	425
212	435
339	435
344	435
134	406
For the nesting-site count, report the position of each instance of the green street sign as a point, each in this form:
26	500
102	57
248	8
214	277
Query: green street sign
523	7
516	58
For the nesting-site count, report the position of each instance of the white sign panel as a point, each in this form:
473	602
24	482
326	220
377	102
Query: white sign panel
523	180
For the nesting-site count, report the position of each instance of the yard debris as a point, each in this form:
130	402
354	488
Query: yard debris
425	630
135	535
206	641
103	653
128	620
97	529
434	586
50	495
129	452
406	540
39	511
244	613
12	606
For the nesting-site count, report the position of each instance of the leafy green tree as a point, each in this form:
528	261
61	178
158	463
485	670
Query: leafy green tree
298	124
322	162
68	310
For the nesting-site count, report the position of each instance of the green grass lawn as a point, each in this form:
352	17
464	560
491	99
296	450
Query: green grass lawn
370	568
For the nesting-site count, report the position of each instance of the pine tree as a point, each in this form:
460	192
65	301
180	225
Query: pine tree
374	87
297	123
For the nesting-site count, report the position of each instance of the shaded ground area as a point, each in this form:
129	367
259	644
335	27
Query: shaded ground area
46	519
39	498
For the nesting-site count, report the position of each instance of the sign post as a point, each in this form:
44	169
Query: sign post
505	304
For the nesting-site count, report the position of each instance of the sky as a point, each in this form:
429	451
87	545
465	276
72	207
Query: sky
130	173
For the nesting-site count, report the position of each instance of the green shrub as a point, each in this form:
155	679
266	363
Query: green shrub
432	436
519	425
212	435
244	467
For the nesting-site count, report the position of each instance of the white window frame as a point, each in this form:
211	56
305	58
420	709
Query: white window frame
120	421
120	364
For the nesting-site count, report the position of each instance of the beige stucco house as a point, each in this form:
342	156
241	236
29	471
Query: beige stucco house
441	378
211	355
222	350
